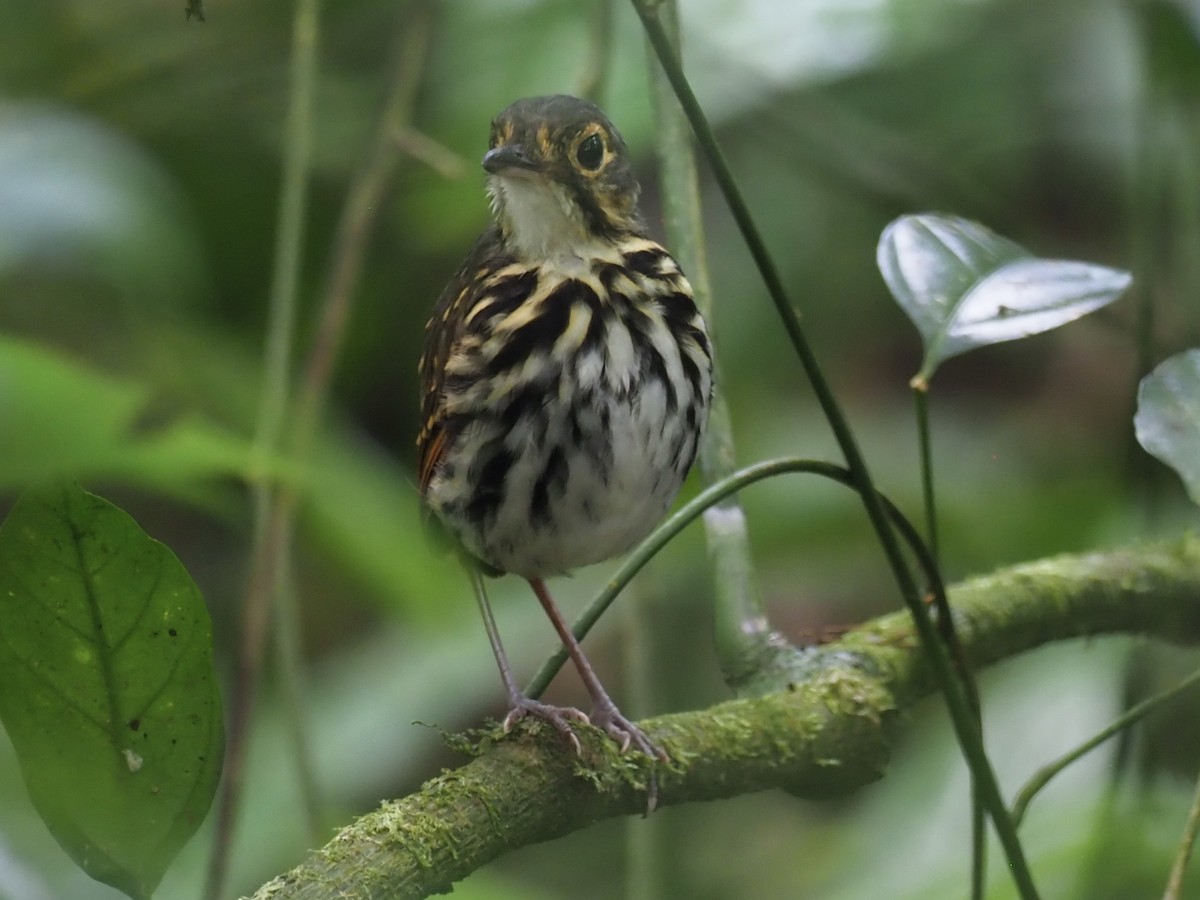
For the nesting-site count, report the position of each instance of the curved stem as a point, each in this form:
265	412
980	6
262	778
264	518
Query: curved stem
827	734
1131	716
957	700
695	508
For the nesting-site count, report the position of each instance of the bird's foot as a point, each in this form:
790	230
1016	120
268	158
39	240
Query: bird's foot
560	717
624	732
604	716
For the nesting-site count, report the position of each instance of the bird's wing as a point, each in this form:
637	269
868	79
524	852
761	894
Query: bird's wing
442	333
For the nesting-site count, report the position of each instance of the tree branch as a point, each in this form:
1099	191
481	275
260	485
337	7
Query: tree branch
825	736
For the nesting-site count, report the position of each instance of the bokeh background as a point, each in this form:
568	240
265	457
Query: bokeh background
139	185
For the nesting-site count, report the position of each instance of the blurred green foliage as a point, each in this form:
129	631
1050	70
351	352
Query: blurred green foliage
139	172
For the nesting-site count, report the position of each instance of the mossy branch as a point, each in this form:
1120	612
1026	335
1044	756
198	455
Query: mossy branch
828	735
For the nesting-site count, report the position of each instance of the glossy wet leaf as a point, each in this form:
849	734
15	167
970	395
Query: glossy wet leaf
965	286
1167	421
106	684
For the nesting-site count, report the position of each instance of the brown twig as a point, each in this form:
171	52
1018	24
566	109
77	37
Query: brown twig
269	548
274	535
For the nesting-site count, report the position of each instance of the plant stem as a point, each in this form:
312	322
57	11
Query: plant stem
289	663
925	442
644	858
1174	889
364	201
269	553
920	391
276	507
741	629
1147	202
824	735
1131	716
696	507
961	716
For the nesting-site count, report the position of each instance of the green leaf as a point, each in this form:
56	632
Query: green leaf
106	684
59	418
964	286
1167	421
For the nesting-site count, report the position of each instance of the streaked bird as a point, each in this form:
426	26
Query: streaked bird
566	377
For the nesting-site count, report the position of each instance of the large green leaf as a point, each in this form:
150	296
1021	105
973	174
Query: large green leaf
106	684
1167	421
965	286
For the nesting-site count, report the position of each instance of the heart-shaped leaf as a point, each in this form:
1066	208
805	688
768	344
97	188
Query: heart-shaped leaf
1167	421
106	684
964	286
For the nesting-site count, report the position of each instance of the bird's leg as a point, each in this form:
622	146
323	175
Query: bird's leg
604	712
521	705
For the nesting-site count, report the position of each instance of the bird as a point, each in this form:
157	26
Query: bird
565	379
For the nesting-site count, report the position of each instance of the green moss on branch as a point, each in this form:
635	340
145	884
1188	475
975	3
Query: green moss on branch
825	734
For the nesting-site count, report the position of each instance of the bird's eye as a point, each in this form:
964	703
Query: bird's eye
590	152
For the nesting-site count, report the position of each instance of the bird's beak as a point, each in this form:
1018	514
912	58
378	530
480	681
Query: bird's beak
511	159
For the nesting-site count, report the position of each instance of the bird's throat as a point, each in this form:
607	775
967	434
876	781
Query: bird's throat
541	222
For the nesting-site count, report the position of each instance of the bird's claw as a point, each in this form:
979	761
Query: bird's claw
560	717
625	733
606	717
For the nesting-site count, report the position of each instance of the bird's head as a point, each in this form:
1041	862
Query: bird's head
559	178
